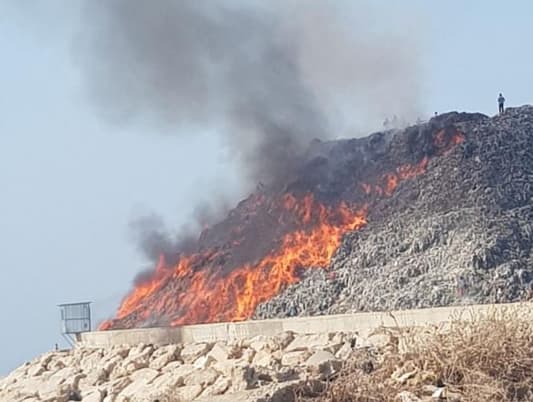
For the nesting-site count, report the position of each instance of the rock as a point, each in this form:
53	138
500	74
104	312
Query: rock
91	360
285	339
141	348
141	388
118	351
46	358
96	376
338	338
428	389
201	377
406	396
259	343
92	395
218	387
36	371
137	359
374	340
323	363
226	367
243	378
55	365
188	392
145	375
294	358
344	352
61	386
109	364
247	355
220	352
180	372
304	342
172	350
167	382
203	362
114	387
263	359
21	389
172	366
285	374
163	356
60	393
291	392
438	393
193	351
31	399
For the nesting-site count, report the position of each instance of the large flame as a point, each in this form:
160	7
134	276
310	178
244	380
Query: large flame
196	290
212	296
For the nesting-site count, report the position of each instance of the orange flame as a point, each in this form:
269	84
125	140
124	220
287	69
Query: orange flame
389	181
211	296
445	139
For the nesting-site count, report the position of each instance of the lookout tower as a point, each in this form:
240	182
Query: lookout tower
75	319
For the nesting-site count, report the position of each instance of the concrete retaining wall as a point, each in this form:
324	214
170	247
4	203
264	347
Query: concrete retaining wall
363	323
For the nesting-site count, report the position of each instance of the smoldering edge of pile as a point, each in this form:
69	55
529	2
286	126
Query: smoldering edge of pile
461	233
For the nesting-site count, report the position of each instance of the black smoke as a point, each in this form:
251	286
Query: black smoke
267	76
185	64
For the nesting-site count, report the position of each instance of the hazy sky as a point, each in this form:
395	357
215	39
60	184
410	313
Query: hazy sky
71	183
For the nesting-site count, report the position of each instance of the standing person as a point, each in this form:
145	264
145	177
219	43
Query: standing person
501	102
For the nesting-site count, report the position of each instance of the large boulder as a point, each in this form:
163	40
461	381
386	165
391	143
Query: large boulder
202	377
163	356
304	342
193	351
295	358
323	364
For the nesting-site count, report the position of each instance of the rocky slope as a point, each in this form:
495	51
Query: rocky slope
246	370
462	232
484	357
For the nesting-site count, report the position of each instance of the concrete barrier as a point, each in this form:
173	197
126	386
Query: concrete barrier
363	323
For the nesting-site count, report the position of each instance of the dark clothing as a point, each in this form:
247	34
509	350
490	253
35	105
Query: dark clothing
501	102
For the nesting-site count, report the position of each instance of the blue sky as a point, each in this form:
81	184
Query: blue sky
70	183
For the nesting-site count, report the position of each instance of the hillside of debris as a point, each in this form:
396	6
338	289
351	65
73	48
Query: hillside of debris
460	233
409	190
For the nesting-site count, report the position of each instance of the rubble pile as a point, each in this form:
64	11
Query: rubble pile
460	233
435	214
252	369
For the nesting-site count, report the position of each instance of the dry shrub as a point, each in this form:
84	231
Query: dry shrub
476	358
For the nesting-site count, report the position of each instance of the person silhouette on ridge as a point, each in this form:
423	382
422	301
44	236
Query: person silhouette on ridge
501	102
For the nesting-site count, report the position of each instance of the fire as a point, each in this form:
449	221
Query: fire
200	288
388	183
211	296
236	296
445	139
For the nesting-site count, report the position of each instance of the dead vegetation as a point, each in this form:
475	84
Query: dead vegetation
487	358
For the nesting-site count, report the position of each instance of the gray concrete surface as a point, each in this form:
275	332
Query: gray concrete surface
363	323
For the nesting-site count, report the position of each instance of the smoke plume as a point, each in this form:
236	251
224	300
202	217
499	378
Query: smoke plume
267	76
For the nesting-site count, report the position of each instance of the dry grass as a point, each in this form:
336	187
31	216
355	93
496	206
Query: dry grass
487	358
